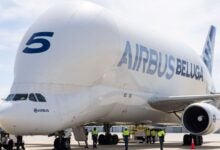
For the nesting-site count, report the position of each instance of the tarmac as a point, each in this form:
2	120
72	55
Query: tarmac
173	141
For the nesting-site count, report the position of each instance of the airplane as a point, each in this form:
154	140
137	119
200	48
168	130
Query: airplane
80	63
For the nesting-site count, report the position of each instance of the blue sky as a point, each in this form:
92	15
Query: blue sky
187	20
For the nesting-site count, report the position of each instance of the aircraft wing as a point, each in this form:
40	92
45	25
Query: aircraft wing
178	103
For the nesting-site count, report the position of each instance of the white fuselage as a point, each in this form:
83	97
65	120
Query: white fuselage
99	68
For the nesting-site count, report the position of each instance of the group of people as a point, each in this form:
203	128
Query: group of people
95	133
150	137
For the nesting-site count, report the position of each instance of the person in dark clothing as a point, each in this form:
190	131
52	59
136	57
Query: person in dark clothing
20	143
86	141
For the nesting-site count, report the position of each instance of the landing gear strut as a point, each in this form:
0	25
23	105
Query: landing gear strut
187	139
108	138
62	141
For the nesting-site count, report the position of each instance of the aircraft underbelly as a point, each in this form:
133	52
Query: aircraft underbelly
139	114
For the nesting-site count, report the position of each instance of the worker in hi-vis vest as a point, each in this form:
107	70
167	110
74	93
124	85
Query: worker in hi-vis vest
95	133
126	135
148	135
161	135
153	135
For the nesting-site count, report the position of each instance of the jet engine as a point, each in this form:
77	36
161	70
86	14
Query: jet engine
201	118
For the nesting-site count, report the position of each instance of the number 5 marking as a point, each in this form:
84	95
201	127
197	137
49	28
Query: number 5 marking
38	38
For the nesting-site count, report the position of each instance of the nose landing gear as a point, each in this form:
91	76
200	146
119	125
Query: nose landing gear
6	140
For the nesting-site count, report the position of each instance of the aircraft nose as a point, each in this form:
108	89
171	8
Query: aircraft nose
4	109
5	114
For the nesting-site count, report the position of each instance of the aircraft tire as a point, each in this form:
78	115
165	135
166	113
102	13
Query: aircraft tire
201	140
10	145
57	145
115	139
184	139
65	143
101	139
187	139
108	139
198	140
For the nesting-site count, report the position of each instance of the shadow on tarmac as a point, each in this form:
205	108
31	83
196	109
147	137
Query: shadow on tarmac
168	146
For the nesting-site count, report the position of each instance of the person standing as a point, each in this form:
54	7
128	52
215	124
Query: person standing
161	135
126	135
153	135
20	143
95	137
86	141
148	136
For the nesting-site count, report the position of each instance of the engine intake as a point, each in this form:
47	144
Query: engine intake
201	118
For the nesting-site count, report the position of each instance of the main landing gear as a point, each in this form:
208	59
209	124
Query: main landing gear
5	141
187	139
62	141
108	138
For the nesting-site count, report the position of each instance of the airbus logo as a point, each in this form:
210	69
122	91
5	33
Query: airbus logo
153	62
40	110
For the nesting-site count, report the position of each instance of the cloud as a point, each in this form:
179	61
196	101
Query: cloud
4	90
2	67
10	39
183	19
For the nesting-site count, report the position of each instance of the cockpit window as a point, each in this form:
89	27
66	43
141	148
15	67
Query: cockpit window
20	97
10	97
32	97
35	97
40	97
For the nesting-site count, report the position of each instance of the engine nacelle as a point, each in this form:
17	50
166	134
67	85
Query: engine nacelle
201	118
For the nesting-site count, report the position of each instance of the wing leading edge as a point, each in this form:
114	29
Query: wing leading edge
178	103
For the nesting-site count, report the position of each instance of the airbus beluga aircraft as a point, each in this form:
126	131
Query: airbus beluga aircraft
79	63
